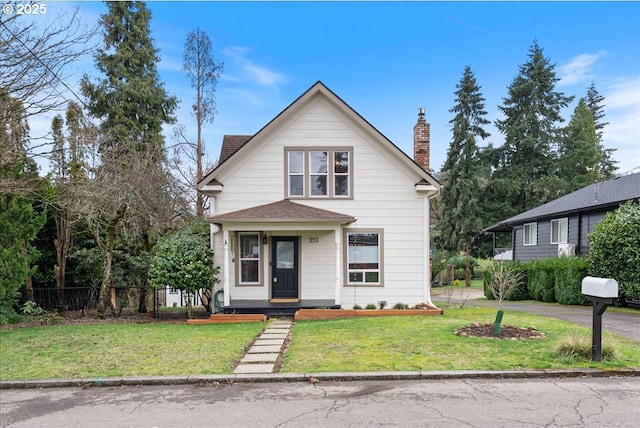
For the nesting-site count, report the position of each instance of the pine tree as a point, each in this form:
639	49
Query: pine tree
461	188
526	164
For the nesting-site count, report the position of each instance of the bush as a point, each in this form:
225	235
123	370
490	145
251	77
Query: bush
357	307
371	306
615	249
569	272
518	292
443	278
400	306
541	280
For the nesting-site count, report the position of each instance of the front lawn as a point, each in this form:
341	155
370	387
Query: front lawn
107	350
428	343
357	344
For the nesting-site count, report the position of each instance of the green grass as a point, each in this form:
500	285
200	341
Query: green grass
428	343
358	344
108	350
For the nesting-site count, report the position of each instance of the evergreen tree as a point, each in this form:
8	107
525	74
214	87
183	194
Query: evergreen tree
579	154
525	170
127	201
607	166
462	217
130	101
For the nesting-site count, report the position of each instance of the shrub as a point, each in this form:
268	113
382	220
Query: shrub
357	307
443	278
400	306
569	272
458	274
370	306
516	292
541	280
615	249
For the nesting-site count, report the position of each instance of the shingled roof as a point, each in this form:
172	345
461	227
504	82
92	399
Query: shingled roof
594	197
231	144
283	211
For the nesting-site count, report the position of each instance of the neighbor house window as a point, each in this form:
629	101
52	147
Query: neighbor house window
531	234
559	231
364	257
249	251
319	172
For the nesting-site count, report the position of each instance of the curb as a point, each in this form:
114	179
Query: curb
315	377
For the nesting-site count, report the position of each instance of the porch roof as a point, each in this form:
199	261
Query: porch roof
284	211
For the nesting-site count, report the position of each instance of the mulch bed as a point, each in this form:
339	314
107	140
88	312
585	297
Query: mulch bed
508	332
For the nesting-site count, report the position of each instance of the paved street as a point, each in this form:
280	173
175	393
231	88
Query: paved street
592	402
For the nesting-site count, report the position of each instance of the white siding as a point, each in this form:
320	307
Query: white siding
384	197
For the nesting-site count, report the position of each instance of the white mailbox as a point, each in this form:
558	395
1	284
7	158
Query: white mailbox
600	287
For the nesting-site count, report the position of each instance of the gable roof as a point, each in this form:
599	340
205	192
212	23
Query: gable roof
283	211
236	144
594	197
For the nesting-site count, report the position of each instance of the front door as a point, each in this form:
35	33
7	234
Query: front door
284	267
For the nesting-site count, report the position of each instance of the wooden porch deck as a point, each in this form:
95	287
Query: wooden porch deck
271	308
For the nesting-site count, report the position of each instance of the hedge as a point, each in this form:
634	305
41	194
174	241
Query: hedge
541	283
569	273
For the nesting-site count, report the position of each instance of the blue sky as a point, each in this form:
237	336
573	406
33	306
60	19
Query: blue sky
387	59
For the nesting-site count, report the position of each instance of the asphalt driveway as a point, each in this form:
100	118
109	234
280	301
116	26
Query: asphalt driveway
620	323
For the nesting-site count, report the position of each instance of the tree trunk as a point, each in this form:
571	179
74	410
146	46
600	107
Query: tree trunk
104	302
62	243
28	284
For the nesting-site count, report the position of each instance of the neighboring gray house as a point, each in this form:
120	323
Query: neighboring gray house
561	227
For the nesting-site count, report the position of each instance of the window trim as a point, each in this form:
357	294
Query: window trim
345	257
524	234
239	259
564	220
331	174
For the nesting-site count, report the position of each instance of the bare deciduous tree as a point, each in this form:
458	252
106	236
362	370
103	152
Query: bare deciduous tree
503	279
35	55
125	200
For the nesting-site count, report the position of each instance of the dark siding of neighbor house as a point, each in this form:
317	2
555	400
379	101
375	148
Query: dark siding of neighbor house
580	226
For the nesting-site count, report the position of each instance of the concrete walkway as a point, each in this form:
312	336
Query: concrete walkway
263	354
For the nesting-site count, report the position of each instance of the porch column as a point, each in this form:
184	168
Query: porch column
337	239
225	271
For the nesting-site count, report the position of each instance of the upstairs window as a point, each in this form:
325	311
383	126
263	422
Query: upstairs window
531	234
559	231
319	173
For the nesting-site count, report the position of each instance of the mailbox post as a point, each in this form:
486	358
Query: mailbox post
602	292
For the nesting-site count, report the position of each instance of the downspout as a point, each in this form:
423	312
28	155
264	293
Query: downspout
427	291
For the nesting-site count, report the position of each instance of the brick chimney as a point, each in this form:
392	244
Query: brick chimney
421	141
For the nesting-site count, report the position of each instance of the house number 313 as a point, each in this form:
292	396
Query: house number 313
313	239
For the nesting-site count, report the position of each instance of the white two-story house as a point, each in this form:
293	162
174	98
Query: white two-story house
319	209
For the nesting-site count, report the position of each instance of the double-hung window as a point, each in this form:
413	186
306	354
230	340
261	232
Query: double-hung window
249	252
559	231
364	257
531	234
319	172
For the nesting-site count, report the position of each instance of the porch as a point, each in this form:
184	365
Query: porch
274	308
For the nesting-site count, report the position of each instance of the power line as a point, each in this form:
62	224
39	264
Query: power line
46	67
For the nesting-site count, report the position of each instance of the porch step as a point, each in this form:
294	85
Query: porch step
229	318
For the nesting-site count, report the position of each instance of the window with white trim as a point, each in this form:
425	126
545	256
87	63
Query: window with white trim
559	231
319	172
531	234
250	255
364	257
